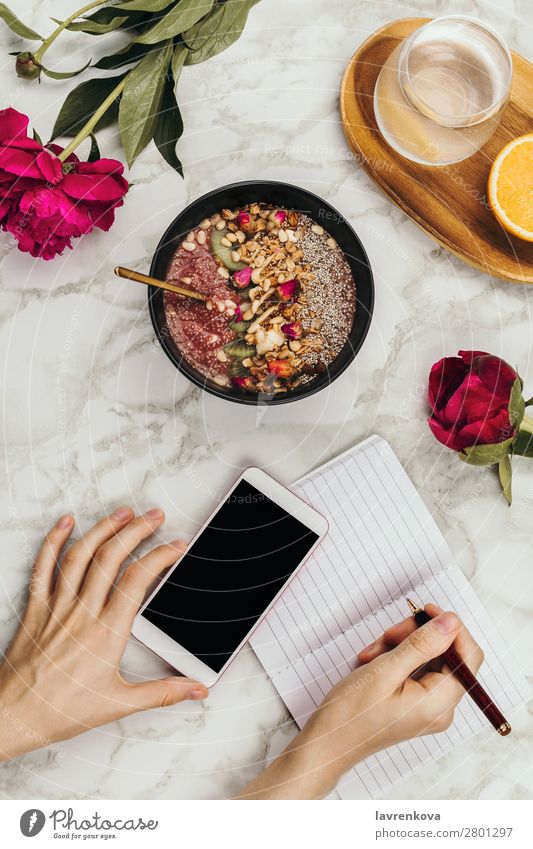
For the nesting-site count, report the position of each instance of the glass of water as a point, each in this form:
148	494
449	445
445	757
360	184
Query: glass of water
441	93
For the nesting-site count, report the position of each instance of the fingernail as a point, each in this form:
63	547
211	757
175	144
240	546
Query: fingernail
446	622
154	513
177	543
197	693
369	647
121	514
65	522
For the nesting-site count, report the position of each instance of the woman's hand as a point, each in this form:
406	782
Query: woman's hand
376	706
61	675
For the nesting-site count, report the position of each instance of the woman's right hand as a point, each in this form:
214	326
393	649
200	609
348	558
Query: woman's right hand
376	706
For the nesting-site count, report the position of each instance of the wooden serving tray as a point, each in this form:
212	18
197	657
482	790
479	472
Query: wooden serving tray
448	203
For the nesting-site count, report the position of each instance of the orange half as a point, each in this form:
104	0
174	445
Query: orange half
510	187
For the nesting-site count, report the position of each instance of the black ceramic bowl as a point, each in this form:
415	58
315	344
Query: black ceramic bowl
288	197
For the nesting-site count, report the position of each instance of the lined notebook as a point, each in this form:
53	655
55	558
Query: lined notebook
382	545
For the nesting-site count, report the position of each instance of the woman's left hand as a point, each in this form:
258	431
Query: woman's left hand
61	675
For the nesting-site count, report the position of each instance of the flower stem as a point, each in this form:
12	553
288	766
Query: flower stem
526	424
38	55
87	129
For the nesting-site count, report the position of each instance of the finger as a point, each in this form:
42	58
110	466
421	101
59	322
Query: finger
134	584
109	557
42	579
388	640
424	644
79	555
394	635
163	692
442	690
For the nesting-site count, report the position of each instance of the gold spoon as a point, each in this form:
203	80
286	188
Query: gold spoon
129	274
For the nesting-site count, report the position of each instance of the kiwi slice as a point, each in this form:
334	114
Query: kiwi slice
239	350
239	327
236	369
222	252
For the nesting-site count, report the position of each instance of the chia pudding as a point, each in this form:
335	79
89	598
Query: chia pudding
281	299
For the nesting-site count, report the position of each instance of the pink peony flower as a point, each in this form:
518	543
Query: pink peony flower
45	203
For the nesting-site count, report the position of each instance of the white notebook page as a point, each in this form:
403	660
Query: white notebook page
382	544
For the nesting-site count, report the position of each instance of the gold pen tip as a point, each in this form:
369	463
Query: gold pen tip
412	606
504	729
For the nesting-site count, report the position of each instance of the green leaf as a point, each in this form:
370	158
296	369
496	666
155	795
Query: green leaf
505	472
485	455
81	104
17	26
95	27
125	56
169	126
63	75
180	18
178	60
94	152
517	405
141	99
36	137
529	402
523	444
217	31
144	5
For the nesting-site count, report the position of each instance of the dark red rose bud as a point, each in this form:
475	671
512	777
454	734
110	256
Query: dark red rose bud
241	279
288	290
293	330
26	66
469	398
245	383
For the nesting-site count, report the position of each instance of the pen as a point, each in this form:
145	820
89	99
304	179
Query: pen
466	677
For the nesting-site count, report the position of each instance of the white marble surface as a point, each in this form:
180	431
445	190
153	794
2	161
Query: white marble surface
95	415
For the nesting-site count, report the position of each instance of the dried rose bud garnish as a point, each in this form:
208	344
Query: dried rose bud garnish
243	218
280	216
281	368
242	278
288	290
293	330
238	313
243	383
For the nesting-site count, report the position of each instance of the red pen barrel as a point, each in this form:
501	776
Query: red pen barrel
474	689
469	681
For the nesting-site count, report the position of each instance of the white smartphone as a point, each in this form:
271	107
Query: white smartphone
231	574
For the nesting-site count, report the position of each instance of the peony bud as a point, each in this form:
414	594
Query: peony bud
242	278
26	66
281	368
293	330
280	216
288	290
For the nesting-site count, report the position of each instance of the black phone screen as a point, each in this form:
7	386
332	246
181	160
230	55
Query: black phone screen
229	576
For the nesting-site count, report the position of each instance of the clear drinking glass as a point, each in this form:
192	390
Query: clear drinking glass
441	93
